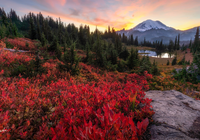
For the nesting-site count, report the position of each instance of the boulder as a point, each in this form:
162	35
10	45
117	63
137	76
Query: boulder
177	116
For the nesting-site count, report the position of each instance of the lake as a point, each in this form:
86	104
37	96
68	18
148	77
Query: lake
155	54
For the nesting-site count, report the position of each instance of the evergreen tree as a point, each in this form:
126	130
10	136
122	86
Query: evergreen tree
15	30
100	57
43	40
39	35
167	62
87	52
136	41
71	60
190	45
145	65
170	46
132	40
133	59
154	68
144	44
182	62
2	31
53	45
4	18
196	45
113	56
124	54
178	43
118	45
174	61
32	31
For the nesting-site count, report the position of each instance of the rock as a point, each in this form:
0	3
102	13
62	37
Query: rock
177	116
13	50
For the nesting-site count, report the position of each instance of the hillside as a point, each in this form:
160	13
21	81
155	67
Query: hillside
36	103
53	104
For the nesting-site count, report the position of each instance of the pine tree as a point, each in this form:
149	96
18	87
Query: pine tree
144	44
123	38
113	56
4	19
100	57
43	40
87	52
190	45
136	41
167	62
118	45
53	45
39	35
170	46
124	54
133	60
196	41
2	31
32	31
174	61
71	60
74	59
154	68
145	65
132	40
178	43
15	30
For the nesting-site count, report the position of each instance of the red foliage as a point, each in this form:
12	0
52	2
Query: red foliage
56	106
8	58
21	43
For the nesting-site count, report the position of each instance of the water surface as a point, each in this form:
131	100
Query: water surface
155	54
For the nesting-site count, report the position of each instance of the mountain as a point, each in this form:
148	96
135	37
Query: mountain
150	24
157	31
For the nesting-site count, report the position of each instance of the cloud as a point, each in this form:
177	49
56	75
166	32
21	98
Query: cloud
74	12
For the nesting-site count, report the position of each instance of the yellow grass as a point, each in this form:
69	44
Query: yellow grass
139	48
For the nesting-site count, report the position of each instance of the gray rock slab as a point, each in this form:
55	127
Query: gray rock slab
177	116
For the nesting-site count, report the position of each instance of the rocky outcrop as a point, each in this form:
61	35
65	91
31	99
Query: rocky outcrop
177	116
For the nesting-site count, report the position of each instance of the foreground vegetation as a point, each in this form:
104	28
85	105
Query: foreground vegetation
56	105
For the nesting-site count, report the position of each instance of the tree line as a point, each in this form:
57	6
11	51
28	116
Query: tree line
103	49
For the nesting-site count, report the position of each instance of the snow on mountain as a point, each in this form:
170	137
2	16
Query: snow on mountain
150	24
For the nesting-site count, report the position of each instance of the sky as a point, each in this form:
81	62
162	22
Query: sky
179	14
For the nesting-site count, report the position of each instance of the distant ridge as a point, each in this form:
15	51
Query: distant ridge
157	31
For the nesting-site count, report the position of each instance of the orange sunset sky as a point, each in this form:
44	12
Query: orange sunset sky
179	14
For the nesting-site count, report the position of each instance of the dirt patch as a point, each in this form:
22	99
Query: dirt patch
188	55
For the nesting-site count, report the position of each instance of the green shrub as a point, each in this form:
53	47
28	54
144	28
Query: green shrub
121	66
154	69
174	61
8	45
168	62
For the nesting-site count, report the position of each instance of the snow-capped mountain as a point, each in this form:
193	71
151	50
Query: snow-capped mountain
150	24
157	31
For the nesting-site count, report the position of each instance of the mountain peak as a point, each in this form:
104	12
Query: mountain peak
150	24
